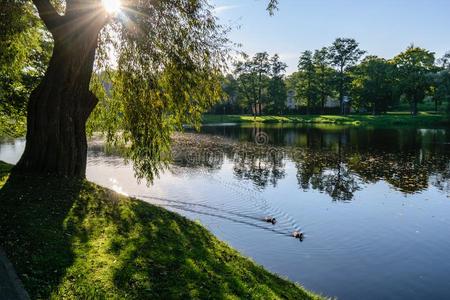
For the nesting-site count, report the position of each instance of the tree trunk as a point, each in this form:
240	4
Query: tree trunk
322	104
341	91
60	106
414	108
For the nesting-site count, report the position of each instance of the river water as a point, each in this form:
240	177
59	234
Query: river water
374	203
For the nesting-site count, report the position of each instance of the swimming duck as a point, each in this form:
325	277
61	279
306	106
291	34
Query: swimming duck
270	220
298	235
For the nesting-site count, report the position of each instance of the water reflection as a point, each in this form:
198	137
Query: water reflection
337	163
383	236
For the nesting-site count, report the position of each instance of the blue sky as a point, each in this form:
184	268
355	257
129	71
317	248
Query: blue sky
382	27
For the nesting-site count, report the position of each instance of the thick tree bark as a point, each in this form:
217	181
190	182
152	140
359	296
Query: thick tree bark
60	106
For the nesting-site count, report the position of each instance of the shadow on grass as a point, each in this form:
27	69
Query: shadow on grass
31	230
73	239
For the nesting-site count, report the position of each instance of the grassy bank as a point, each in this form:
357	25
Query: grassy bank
389	119
73	239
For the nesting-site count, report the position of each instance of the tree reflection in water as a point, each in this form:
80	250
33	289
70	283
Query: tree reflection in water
336	163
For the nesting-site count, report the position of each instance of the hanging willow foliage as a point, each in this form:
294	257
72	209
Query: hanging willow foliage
164	60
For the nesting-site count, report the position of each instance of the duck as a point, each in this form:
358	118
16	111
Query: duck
269	219
298	235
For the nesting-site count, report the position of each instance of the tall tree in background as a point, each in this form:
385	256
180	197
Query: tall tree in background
247	83
414	66
444	61
261	65
229	100
277	87
324	75
231	90
441	82
306	87
253	77
372	84
344	53
169	53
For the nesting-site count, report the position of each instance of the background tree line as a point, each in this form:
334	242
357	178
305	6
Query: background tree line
338	74
258	84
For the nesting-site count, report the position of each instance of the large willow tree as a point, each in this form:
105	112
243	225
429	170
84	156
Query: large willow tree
168	54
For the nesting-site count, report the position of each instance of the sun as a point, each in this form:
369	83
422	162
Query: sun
112	6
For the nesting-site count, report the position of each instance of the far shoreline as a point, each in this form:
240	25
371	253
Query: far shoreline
389	119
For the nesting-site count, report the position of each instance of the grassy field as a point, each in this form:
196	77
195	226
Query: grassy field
381	120
72	239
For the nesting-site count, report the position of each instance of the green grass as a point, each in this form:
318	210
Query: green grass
72	239
389	119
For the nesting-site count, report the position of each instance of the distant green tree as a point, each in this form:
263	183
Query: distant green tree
261	65
229	102
444	87
306	88
254	79
247	81
441	86
372	84
291	81
248	95
231	91
441	83
414	66
277	92
444	61
324	75
344	53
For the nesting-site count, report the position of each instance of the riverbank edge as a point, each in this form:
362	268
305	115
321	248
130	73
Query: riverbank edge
83	250
391	119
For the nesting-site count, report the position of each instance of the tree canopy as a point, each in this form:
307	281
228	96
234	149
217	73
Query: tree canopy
414	66
344	53
170	56
373	83
163	59
260	81
25	49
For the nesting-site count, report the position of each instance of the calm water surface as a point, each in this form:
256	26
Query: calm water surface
374	203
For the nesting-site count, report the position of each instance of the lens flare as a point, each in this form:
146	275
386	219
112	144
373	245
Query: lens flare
111	6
